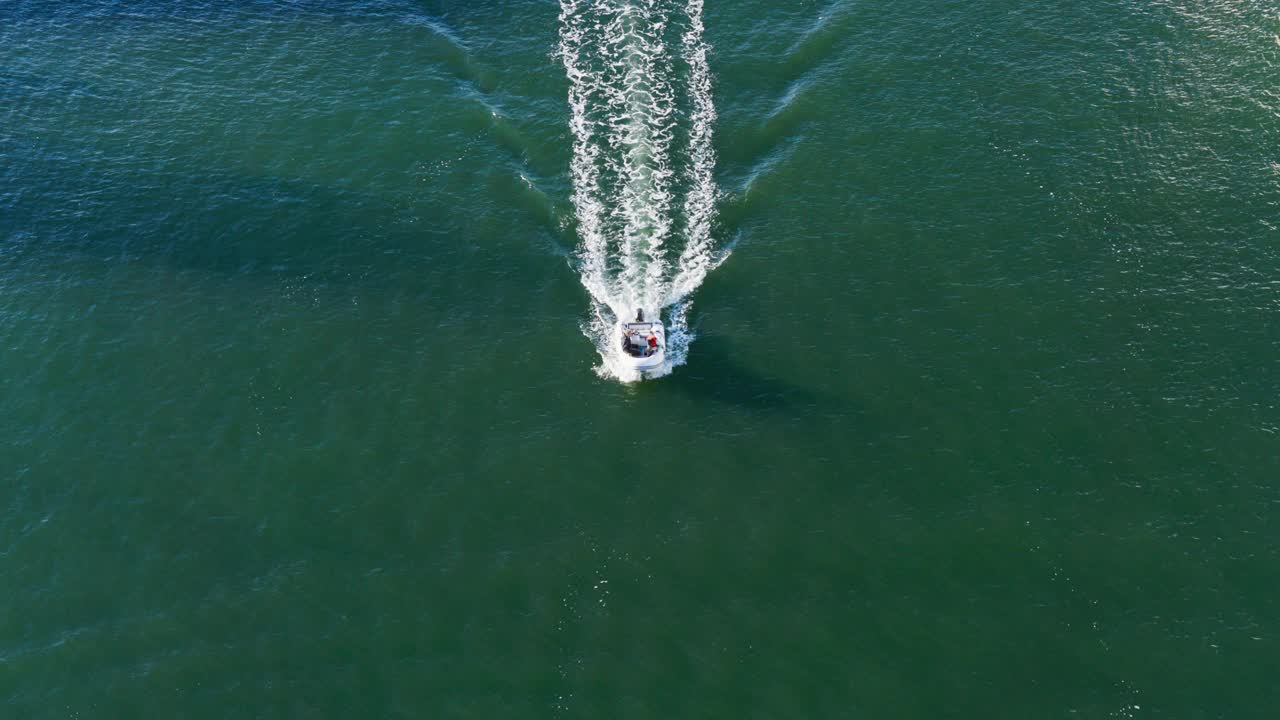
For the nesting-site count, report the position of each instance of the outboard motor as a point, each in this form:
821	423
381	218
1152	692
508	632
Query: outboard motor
640	315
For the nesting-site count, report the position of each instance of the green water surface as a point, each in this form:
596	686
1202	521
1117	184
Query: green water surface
299	420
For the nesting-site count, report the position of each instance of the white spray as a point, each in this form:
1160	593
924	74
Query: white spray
627	101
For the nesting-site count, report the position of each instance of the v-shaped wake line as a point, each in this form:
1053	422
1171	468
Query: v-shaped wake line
644	193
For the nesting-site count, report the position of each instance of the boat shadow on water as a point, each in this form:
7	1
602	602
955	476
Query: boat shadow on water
713	372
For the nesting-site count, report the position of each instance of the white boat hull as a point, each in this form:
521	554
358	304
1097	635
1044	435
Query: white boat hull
634	345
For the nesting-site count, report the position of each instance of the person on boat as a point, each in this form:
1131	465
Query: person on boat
653	343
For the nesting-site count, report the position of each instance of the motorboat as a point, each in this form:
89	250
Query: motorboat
644	344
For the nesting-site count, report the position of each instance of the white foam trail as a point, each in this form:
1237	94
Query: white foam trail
700	203
583	87
624	102
641	113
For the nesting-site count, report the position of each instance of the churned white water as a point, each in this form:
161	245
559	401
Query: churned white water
644	193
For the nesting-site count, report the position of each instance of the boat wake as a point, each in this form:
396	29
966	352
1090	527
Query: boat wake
644	193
